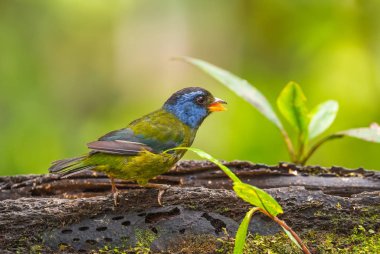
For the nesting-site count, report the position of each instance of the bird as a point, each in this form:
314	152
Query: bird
142	150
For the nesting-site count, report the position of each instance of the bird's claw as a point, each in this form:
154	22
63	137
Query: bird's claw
159	197
161	190
116	198
115	192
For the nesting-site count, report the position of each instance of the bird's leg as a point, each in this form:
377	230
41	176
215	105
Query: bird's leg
115	191
161	190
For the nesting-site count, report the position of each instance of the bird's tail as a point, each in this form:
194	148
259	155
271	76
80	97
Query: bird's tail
69	166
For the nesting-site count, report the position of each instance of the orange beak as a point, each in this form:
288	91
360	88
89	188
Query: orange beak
217	105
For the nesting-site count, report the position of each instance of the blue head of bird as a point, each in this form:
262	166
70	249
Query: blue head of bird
192	105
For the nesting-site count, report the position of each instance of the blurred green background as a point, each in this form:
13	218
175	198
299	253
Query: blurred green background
72	70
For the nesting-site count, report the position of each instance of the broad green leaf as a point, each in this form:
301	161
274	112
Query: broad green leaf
257	197
208	157
239	86
292	104
291	237
241	234
371	134
322	117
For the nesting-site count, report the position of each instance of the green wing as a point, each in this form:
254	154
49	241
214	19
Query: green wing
155	132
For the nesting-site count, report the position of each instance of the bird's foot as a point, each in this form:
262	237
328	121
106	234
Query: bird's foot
116	197
162	188
115	192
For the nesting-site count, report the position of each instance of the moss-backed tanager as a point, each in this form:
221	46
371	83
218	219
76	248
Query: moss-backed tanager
137	152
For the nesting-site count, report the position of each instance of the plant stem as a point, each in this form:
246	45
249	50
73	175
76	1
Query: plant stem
289	145
284	225
317	145
294	234
301	148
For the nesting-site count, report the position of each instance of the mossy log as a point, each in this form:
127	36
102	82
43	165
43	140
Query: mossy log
48	214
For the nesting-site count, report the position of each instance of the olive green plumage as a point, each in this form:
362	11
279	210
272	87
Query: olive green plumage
146	164
139	151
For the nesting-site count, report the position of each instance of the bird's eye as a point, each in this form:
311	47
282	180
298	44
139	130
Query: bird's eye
201	100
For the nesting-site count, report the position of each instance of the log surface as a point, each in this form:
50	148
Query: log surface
51	211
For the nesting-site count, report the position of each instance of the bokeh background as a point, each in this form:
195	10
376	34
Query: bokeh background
72	70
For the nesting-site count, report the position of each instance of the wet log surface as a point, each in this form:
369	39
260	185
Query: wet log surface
54	212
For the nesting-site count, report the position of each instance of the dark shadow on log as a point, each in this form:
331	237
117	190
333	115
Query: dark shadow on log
48	211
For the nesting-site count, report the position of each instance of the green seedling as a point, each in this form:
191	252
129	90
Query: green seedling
291	102
261	200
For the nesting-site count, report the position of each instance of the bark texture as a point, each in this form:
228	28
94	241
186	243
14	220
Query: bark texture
77	214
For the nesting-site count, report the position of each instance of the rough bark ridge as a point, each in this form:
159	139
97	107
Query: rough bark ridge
47	211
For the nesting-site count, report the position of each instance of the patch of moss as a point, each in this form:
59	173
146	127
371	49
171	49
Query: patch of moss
36	249
188	244
145	239
192	206
365	216
273	244
361	241
223	210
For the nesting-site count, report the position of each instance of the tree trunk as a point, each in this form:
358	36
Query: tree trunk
48	213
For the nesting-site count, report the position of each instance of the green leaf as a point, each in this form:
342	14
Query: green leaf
241	234
257	197
240	86
248	193
292	104
371	134
322	117
208	157
291	237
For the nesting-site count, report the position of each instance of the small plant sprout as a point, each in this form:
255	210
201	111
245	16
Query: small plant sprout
261	200
291	102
